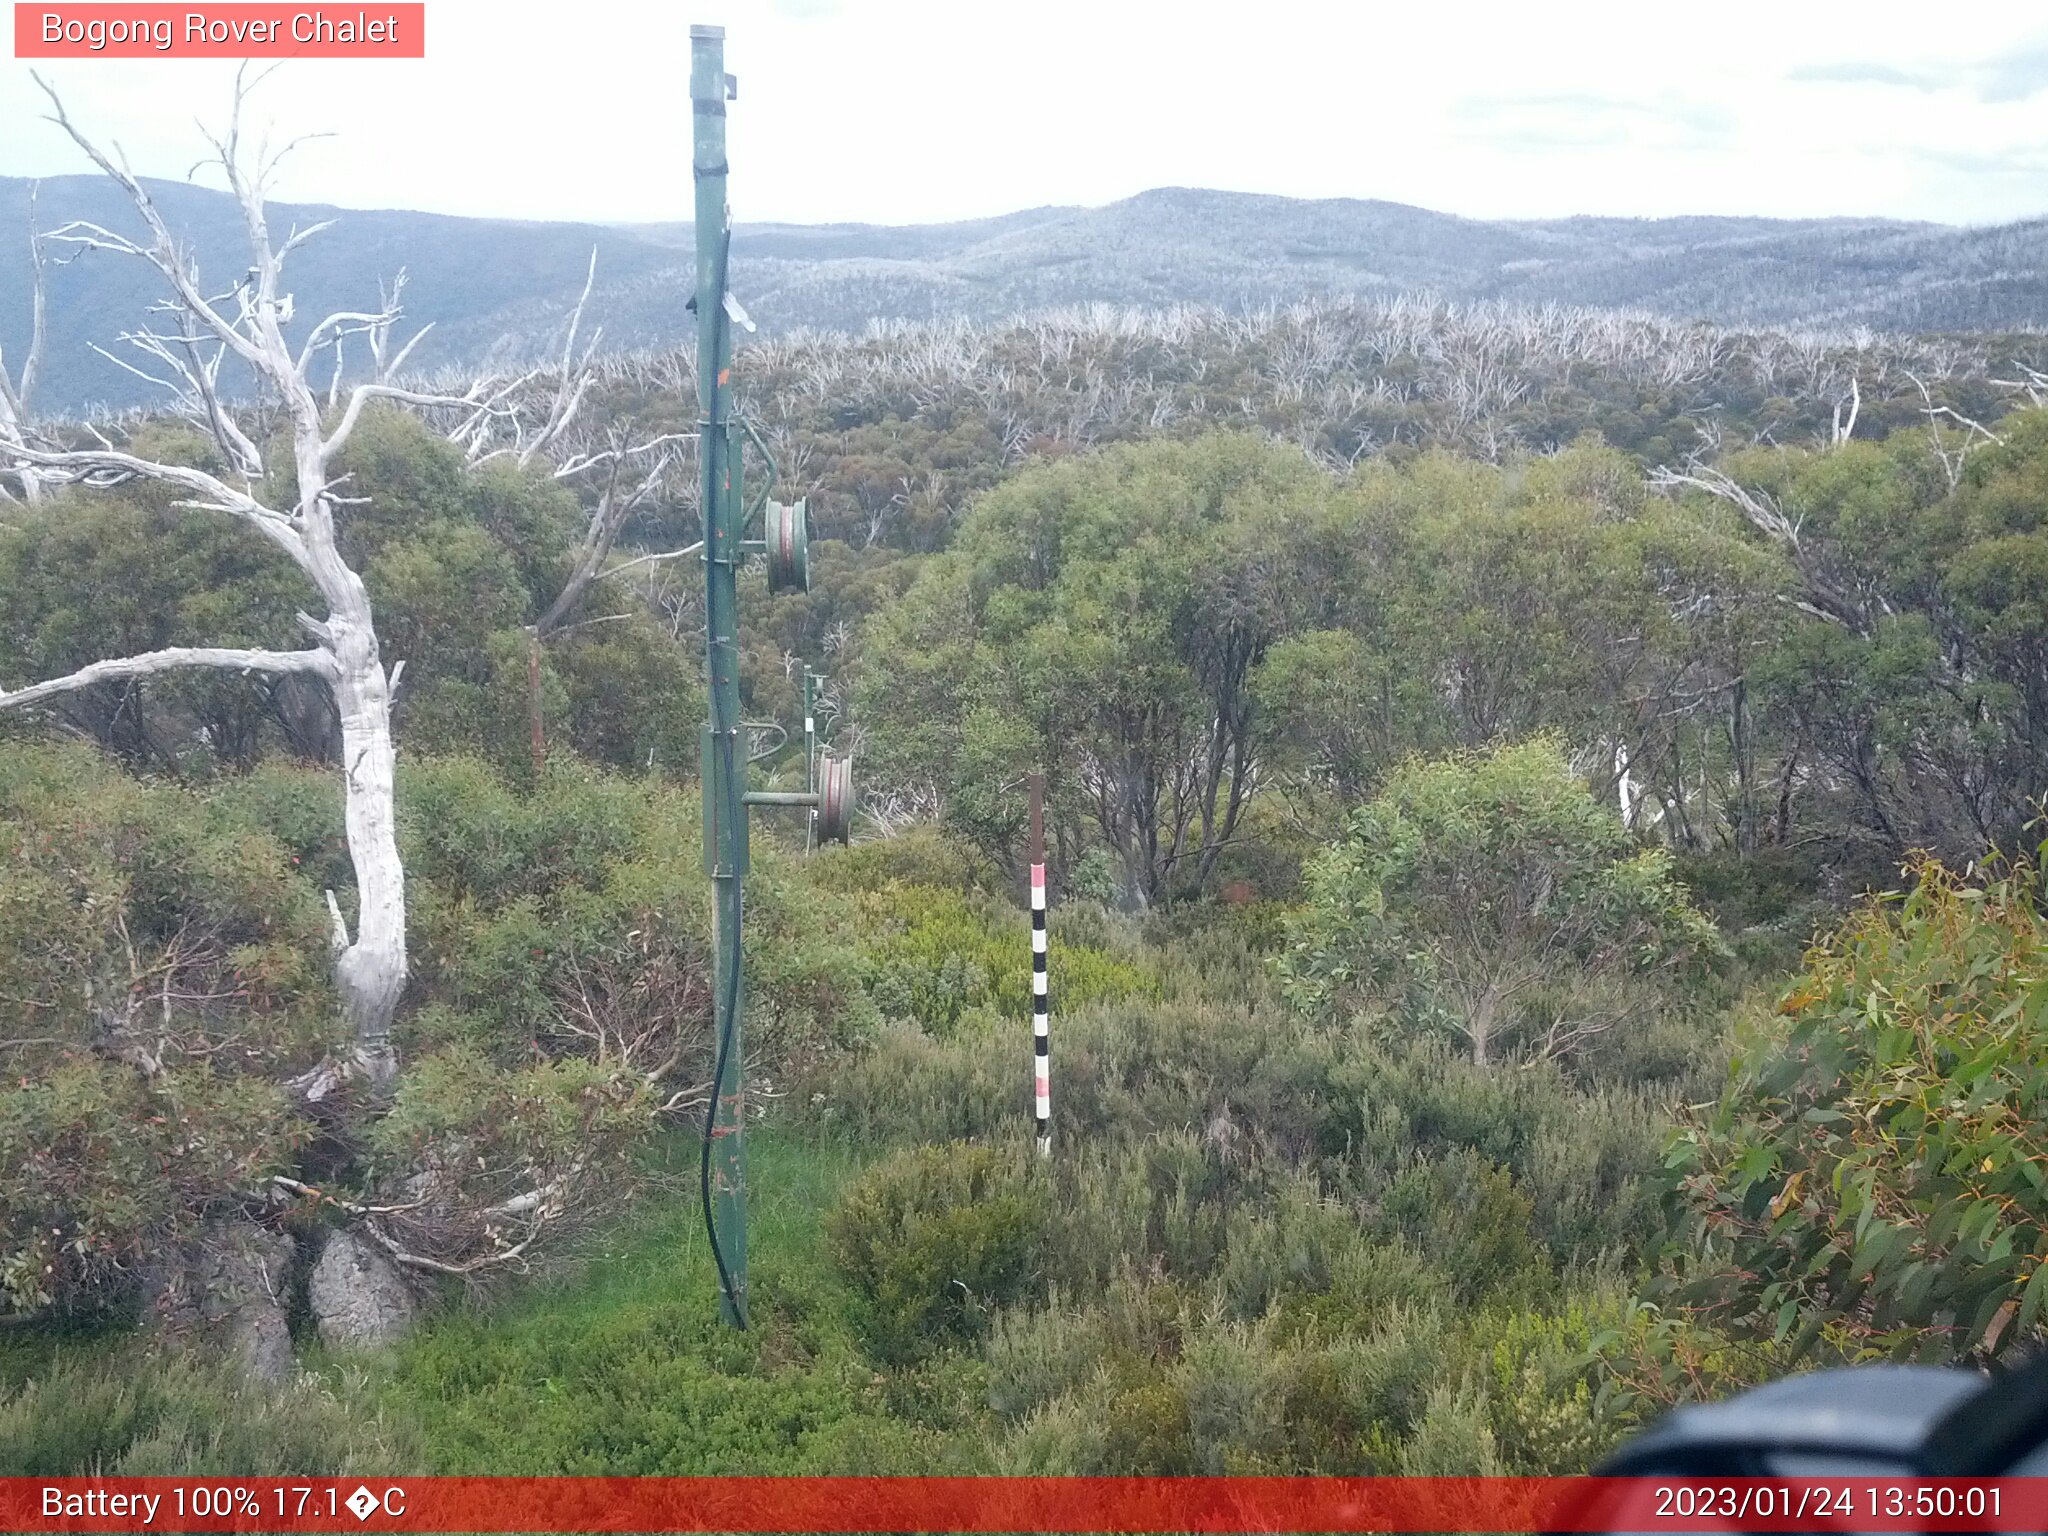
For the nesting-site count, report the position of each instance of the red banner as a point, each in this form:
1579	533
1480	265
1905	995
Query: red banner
231	31
1017	1504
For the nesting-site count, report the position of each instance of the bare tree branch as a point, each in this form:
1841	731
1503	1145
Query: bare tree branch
1843	429
363	394
640	560
103	468
172	659
616	503
164	253
576	377
1825	597
1976	433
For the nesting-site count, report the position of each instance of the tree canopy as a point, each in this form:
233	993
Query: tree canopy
1491	896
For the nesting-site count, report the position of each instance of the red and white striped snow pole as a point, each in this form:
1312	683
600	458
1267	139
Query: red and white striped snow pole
1041	1001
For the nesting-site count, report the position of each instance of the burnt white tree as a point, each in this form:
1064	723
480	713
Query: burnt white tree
191	337
604	462
17	389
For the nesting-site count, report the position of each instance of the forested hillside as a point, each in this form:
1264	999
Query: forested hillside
496	288
1540	809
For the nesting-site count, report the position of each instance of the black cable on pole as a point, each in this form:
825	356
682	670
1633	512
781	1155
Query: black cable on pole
732	1003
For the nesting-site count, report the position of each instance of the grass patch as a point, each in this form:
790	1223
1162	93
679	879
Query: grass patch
618	1365
113	1406
624	1369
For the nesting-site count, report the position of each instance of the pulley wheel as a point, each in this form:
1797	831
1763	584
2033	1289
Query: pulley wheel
788	536
835	800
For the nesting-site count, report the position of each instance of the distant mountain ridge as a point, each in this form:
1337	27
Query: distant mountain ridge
497	288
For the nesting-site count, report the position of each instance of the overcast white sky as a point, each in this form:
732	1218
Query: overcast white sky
897	111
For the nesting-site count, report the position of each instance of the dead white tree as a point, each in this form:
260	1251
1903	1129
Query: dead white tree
1845	422
2032	383
1952	456
628	477
186	347
17	393
1826	596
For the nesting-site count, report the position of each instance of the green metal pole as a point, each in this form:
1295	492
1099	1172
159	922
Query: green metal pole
725	816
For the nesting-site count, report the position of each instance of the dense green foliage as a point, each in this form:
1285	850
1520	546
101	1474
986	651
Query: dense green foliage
1872	1175
163	970
165	951
457	562
1099	620
1492	897
933	1240
1921	693
1837	655
936	957
122	1413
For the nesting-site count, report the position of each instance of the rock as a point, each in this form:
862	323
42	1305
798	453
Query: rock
225	1290
359	1298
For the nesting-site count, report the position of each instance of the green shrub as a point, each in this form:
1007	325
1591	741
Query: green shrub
100	1167
1233	1382
923	855
1151	1379
134	1414
1388	1369
1467	1214
1872	1175
938	955
1094	877
165	969
1586	1157
1292	1245
634	696
907	1088
932	1239
1770	900
1128	1420
1174	1119
1036	1356
1453	1438
1542	1373
300	806
545	918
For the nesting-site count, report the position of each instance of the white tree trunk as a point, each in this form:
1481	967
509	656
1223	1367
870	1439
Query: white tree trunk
17	392
370	971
